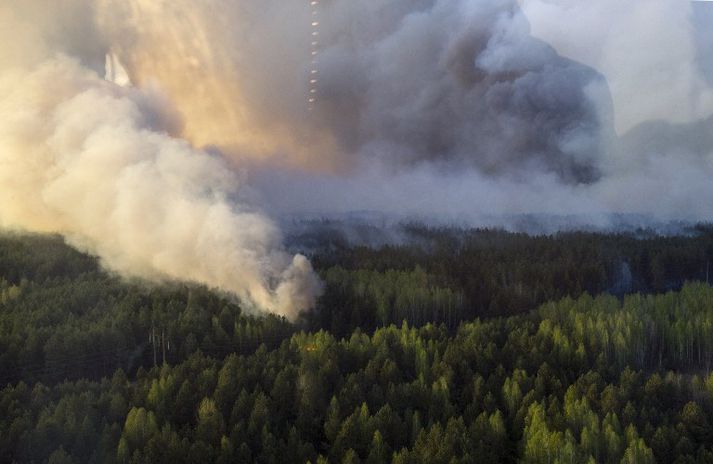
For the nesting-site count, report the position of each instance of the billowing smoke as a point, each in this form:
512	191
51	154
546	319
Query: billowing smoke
450	107
93	161
460	83
453	81
427	106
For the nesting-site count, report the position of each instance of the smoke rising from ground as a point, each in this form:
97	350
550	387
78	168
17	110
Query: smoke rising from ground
456	108
92	160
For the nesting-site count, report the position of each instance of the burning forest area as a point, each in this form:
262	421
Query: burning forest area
330	231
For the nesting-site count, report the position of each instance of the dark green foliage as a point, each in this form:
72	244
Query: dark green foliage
590	379
449	275
579	379
87	323
38	258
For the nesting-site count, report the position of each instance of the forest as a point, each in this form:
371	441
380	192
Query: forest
454	346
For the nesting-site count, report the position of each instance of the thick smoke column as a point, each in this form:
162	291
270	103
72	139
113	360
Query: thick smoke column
93	161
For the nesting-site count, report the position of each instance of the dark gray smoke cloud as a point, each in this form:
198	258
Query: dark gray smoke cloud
456	82
412	89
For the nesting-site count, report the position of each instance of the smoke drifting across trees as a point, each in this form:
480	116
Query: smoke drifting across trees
427	106
93	161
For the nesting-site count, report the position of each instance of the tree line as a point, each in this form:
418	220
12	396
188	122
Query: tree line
395	365
578	380
498	273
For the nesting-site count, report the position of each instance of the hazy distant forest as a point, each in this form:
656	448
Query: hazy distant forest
456	346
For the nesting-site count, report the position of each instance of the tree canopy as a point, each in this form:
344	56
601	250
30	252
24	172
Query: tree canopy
397	364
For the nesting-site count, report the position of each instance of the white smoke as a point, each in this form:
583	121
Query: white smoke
645	48
92	160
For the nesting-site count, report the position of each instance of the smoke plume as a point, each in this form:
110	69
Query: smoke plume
134	127
93	161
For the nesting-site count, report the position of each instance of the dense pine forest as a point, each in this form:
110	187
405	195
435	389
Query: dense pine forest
451	346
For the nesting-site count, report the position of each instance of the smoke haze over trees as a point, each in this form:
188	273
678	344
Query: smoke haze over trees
435	107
